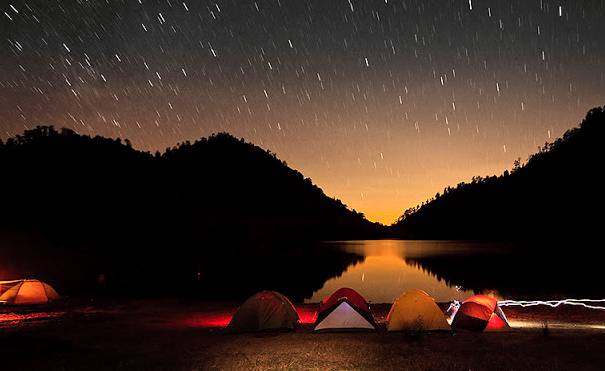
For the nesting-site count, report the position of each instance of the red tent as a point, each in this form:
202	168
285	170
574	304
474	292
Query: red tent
345	309
480	313
352	296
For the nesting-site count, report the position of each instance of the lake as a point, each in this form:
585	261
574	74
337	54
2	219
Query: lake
449	270
386	271
308	272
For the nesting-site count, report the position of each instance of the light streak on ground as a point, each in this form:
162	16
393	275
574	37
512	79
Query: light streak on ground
586	303
554	325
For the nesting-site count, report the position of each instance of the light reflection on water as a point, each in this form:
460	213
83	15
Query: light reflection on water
384	274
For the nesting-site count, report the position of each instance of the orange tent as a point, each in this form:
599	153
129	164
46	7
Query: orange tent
5	285
480	313
26	292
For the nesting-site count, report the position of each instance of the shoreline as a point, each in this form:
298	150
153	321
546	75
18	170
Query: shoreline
188	335
215	315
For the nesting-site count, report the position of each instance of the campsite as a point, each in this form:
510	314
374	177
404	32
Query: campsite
302	185
362	316
187	335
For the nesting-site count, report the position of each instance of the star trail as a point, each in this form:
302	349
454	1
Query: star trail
381	103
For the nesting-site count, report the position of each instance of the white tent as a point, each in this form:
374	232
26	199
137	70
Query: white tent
344	316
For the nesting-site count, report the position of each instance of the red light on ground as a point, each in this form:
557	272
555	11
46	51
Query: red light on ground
221	318
207	320
13	319
306	315
214	320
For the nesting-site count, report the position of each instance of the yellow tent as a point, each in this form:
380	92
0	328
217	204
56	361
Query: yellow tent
416	310
26	292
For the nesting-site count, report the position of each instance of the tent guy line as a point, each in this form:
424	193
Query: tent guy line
555	303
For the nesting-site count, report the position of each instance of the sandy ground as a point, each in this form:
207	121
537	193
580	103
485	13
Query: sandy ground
176	335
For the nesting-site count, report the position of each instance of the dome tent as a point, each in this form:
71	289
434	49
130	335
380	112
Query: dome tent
480	313
266	310
345	309
26	292
415	310
5	285
351	295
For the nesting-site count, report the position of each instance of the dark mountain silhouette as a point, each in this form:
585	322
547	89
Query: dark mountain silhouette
104	209
70	186
557	194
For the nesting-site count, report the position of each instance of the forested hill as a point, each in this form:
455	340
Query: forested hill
69	187
556	194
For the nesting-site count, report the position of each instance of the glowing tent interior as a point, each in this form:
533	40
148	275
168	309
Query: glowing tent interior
345	309
267	310
26	292
480	313
415	310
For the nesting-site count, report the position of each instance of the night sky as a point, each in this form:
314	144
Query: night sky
381	103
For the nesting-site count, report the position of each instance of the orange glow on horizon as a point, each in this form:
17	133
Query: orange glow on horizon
385	200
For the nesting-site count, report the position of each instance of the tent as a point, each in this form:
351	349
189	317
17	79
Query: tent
267	310
416	310
351	295
345	309
26	292
5	285
480	313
